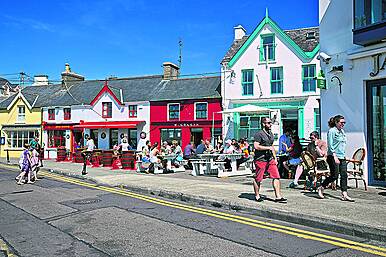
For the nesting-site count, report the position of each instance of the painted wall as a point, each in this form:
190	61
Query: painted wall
285	57
357	63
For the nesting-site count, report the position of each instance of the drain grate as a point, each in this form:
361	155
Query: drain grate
87	201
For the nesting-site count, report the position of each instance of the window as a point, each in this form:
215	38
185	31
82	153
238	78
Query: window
107	110
201	110
247	82
267	48
21	114
67	113
174	111
248	126
133	138
368	12
317	120
308	78
51	114
56	138
170	135
310	35
277	80
132	111
17	139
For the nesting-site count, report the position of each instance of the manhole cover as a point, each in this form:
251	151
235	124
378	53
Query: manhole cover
87	201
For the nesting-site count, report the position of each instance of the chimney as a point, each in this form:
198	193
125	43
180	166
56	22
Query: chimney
68	75
239	32
171	70
40	80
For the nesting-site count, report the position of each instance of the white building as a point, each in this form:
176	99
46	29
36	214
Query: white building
353	57
275	69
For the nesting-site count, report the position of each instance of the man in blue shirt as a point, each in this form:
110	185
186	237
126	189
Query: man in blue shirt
201	147
285	141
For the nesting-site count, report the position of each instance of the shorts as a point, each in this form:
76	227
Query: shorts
270	167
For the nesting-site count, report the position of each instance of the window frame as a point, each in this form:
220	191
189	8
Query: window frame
19	140
133	113
247	83
53	137
179	111
310	79
275	81
262	49
51	113
66	113
21	115
109	110
206	111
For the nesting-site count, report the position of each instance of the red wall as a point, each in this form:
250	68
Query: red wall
159	119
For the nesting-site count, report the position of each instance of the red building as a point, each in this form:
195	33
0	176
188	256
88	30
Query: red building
186	110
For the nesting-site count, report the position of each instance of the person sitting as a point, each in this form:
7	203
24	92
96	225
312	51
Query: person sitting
165	148
317	148
284	142
125	146
219	146
228	149
177	150
294	152
208	147
201	147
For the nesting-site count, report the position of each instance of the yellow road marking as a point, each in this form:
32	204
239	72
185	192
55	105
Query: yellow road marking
341	242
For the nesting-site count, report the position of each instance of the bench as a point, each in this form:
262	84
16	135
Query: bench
198	166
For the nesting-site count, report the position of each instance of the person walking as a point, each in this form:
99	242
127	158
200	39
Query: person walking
25	166
265	161
336	151
87	154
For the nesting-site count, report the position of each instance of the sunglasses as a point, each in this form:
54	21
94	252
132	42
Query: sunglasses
269	122
342	122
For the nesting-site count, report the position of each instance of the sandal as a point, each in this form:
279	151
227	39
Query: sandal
347	199
260	199
280	200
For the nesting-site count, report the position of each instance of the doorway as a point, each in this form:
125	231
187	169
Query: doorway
196	136
290	119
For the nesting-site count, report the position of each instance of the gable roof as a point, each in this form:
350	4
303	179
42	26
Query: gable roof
292	37
116	93
188	88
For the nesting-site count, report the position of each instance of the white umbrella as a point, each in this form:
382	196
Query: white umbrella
249	108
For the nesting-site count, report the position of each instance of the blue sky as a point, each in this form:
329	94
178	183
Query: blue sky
133	37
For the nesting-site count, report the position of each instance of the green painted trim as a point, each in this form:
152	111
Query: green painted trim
277	105
281	72
242	89
308	65
301	122
287	39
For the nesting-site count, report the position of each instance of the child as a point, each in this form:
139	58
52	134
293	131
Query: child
25	166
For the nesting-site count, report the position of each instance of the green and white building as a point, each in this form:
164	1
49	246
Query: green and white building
275	69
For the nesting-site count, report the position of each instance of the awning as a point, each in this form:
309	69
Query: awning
21	127
108	124
249	108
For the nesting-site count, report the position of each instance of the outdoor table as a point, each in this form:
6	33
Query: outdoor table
209	159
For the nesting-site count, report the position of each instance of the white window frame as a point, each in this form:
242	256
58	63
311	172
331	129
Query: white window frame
20	118
207	111
179	111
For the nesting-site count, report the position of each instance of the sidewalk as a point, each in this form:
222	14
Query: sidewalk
364	218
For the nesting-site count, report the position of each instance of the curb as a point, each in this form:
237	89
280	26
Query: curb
352	229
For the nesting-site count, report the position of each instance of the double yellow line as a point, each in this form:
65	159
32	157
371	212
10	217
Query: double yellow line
336	241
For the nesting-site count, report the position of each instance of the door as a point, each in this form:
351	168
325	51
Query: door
196	135
290	119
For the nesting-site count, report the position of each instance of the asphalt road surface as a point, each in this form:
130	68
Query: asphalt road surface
59	216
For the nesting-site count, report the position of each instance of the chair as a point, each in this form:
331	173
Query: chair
356	169
316	173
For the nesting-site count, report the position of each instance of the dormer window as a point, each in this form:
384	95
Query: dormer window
21	114
107	110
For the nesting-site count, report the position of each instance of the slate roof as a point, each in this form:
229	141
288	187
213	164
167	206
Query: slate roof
299	36
189	88
148	88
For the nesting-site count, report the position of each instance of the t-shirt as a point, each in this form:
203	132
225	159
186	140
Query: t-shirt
265	139
200	149
312	148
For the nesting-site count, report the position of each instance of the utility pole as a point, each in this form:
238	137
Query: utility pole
22	74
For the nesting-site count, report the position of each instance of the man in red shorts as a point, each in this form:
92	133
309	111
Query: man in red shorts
265	161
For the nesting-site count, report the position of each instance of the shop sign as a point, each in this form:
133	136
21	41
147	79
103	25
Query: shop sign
186	124
378	64
320	80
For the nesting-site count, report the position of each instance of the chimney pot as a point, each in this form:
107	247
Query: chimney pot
239	32
40	80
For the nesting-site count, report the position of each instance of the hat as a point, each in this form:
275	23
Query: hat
228	142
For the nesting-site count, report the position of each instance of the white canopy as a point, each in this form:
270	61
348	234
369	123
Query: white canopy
249	108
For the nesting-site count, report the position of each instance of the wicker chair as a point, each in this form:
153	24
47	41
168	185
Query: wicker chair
315	173
355	167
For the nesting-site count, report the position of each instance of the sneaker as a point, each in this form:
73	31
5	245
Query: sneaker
293	185
347	198
320	192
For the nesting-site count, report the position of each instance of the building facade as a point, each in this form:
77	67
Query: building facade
353	57
275	69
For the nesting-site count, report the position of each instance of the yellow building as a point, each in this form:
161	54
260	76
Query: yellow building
20	121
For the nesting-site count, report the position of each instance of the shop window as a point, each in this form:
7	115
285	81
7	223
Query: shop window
247	82
170	135
277	80
174	111
248	126
67	113
267	48
132	111
308	78
17	139
201	110
56	138
51	114
107	110
21	114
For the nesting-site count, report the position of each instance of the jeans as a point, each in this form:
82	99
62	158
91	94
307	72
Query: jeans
335	170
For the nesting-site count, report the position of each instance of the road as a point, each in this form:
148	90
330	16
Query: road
59	216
